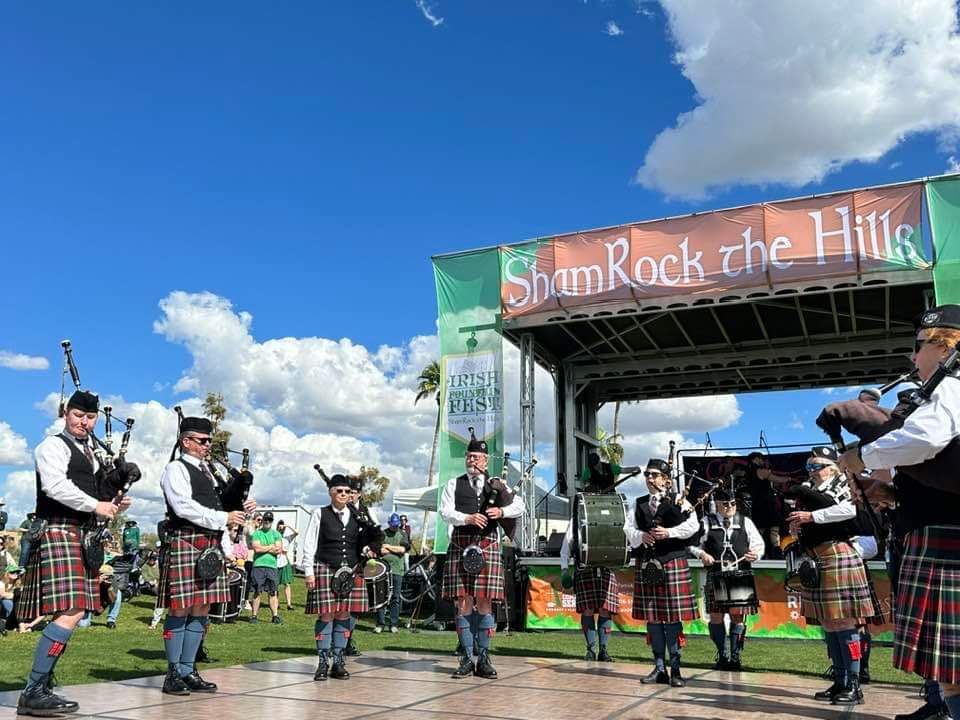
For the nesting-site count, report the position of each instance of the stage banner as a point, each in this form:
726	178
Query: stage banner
765	245
471	364
943	202
550	607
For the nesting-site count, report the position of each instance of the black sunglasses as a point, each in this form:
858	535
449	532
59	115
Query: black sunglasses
652	474
919	343
200	441
341	491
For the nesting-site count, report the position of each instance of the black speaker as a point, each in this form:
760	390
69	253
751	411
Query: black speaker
552	548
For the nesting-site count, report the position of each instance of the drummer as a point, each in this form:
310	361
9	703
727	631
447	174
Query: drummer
596	588
662	525
729	542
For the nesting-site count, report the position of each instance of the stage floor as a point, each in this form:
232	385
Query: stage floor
418	686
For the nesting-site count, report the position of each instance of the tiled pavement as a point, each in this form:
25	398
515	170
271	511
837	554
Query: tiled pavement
418	686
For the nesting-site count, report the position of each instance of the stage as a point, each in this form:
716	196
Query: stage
418	686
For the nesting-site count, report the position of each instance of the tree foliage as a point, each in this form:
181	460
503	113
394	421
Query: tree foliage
214	409
611	450
375	485
429	385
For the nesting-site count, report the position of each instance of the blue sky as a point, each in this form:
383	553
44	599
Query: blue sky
304	161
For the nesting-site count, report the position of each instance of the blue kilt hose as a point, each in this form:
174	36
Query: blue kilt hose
596	589
673	601
927	611
179	587
488	583
56	579
322	601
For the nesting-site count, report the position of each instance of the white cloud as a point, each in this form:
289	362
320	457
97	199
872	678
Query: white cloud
13	447
19	361
426	8
612	29
783	96
953	165
643	10
795	422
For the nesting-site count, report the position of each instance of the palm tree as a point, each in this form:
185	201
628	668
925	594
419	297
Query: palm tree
429	385
610	448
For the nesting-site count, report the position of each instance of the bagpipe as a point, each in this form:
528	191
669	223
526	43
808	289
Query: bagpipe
116	477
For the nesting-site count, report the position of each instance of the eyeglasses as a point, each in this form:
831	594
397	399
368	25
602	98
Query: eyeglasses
918	344
342	491
726	502
815	467
199	440
652	474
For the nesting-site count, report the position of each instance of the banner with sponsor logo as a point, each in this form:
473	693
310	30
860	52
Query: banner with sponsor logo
943	200
471	364
866	231
549	607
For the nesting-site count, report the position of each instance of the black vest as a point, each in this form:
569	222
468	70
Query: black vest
668	515
466	501
337	544
202	491
739	539
80	473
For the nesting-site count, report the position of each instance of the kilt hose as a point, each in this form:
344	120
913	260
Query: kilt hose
926	637
179	587
56	579
710	602
843	593
322	601
673	601
488	583
596	589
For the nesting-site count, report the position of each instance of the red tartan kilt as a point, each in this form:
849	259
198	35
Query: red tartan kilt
596	591
56	579
488	583
180	588
322	601
674	601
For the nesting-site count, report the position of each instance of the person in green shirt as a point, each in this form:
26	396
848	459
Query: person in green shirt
267	544
396	544
131	538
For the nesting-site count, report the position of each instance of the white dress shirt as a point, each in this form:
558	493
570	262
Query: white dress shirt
682	531
177	491
754	539
448	503
52	457
925	432
866	546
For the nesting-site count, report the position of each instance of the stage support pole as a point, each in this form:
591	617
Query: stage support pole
527	441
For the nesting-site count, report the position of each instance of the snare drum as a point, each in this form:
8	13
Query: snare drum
801	571
735	590
379	582
598	537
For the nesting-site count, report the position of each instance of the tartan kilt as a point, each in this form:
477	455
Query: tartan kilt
488	583
674	601
322	601
710	603
179	587
56	579
596	589
843	593
926	638
877	618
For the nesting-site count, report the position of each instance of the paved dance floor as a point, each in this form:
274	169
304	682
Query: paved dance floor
418	686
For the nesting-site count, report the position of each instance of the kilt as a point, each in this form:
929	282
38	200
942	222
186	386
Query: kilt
179	587
488	583
56	579
878	618
710	603
926	638
322	601
596	589
286	575
671	602
843	593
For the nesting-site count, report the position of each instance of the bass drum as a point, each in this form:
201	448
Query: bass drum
379	583
598	537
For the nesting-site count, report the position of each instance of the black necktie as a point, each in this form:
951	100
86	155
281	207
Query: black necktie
88	453
206	471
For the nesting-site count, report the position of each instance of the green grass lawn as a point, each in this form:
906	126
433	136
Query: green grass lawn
96	654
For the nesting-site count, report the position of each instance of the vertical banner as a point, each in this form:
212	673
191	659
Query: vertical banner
471	364
943	202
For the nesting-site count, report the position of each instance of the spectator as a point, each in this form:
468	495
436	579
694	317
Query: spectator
5	557
150	575
109	597
250	527
131	539
405	526
25	545
267	545
396	544
10	575
285	561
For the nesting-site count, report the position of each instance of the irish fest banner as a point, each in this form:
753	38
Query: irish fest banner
943	201
850	233
471	364
549	607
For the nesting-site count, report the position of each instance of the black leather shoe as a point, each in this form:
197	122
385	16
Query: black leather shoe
850	695
925	712
676	679
484	668
38	701
604	656
173	684
323	667
590	655
828	694
864	677
656	676
339	670
351	650
735	665
111	625
721	663
198	684
465	669
202	654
